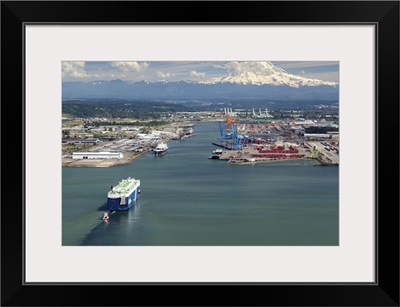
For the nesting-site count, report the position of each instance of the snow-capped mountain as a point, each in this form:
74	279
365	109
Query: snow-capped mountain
243	80
263	73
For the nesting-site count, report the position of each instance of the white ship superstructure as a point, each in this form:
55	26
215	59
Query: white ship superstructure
160	149
122	196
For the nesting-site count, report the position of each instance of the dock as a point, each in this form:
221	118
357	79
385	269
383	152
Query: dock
255	153
222	145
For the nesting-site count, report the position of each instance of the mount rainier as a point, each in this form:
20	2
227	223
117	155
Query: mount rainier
249	80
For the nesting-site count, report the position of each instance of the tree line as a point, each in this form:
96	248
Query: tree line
120	109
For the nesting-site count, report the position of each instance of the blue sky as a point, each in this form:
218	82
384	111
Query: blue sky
176	71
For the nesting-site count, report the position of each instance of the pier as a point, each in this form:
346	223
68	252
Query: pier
225	146
267	141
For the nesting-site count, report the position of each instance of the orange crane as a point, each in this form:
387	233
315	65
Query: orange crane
230	120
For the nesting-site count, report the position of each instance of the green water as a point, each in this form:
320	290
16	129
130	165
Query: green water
188	199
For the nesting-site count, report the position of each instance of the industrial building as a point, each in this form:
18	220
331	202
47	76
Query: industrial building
96	155
316	136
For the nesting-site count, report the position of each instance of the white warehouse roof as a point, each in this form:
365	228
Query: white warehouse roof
96	153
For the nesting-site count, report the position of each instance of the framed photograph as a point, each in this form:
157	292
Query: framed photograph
201	153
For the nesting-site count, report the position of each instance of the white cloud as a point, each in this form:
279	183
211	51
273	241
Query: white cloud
258	68
161	74
216	66
326	76
74	69
78	70
304	64
196	74
130	66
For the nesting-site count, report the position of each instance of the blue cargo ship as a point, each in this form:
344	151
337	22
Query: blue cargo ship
124	195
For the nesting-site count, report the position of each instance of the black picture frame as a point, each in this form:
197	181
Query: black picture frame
383	14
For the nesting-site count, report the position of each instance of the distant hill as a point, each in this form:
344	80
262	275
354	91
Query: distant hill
117	108
189	90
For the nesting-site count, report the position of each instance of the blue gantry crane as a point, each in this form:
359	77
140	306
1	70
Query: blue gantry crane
230	139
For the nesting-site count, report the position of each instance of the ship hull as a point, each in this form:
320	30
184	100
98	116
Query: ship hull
160	153
117	203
